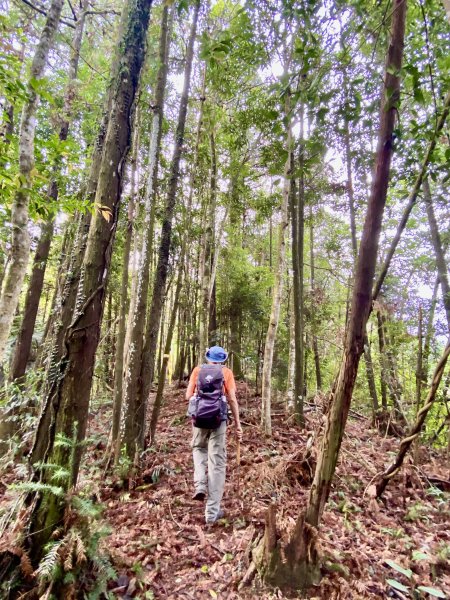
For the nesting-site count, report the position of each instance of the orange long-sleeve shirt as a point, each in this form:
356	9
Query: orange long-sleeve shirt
228	381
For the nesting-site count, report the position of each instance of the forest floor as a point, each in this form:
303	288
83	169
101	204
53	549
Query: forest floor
161	549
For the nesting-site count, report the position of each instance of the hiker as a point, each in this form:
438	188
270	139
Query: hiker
209	411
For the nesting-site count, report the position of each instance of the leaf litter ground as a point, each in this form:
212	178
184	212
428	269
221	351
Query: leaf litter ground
162	549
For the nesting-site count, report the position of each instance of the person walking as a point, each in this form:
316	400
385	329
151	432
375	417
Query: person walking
208	386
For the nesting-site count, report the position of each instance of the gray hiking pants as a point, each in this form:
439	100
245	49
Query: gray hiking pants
210	453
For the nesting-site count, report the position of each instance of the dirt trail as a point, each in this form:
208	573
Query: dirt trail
163	550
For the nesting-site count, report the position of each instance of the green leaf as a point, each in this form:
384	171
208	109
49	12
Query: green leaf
213	594
397	585
204	569
406	572
418	555
432	591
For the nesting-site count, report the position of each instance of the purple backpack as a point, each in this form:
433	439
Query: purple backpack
209	406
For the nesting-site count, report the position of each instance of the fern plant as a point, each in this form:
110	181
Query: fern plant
75	559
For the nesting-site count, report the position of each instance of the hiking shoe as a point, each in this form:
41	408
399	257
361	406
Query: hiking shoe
200	496
220	515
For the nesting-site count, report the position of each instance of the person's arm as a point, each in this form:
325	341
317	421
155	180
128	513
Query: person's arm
191	385
235	412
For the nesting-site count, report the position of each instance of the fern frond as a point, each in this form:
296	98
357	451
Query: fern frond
37	487
25	565
68	551
86	508
57	533
49	563
59	473
63	441
80	550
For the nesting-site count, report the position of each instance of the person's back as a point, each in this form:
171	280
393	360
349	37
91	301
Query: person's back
207	407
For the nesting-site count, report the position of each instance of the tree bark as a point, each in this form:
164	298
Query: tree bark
133	420
124	300
162	373
315	344
381	349
23	345
209	251
429	332
365	271
300	566
277	291
439	253
136	405
419	365
297	216
69	395
20	239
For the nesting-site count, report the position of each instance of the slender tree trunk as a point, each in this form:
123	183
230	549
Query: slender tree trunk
416	428
419	366
209	250
23	345
429	332
351	205
277	291
162	374
136	404
69	396
133	420
297	216
412	197
370	376
291	359
299	566
381	346
315	344
20	239
124	300
439	254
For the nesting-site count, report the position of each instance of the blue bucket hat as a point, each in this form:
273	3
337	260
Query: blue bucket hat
216	354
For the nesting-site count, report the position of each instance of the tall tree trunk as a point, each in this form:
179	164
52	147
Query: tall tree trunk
136	400
209	250
290	388
439	253
20	239
124	301
383	369
351	205
419	366
429	331
23	345
298	567
277	291
297	216
162	373
134	421
69	396
315	344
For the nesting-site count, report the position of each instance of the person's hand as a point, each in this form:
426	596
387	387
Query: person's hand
239	433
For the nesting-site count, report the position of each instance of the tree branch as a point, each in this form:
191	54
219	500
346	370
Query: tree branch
44	12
